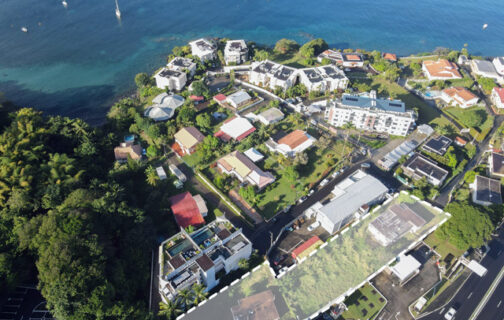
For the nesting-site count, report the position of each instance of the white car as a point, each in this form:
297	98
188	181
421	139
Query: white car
324	182
313	226
450	314
335	174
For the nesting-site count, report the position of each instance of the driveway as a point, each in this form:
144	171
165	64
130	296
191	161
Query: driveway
399	298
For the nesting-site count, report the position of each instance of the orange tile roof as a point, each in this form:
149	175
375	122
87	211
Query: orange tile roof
500	93
294	139
305	246
390	56
442	68
460	94
460	140
353	57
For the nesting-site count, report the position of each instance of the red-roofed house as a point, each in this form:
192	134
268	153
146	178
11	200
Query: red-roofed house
236	128
390	57
459	96
295	142
188	210
441	69
306	248
196	99
498	97
460	142
220	98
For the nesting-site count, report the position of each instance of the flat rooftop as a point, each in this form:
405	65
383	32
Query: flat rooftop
488	190
437	145
425	167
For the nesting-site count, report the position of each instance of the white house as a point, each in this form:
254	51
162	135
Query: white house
441	69
485	69
203	48
459	96
352	197
499	65
371	113
486	191
183	65
271	75
497	97
325	78
238	99
217	247
170	79
236	128
242	168
270	116
236	51
295	142
163	106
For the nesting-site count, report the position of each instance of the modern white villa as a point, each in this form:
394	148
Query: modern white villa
235	51
203	48
183	65
271	75
485	69
200	257
459	96
325	78
367	112
170	79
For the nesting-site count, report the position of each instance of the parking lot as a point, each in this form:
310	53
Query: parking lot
399	298
291	238
24	303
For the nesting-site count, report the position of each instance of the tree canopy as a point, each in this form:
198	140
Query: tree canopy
284	46
313	48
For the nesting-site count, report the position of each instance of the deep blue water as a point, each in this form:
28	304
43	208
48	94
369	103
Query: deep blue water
76	61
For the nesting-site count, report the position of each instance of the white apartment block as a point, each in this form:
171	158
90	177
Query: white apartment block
186	259
499	65
170	79
203	48
236	51
497	97
182	65
271	75
371	114
326	78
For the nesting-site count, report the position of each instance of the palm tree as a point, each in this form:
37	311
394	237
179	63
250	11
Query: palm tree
186	298
169	310
243	264
152	177
199	293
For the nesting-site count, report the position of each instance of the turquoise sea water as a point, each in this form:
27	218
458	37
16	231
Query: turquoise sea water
76	61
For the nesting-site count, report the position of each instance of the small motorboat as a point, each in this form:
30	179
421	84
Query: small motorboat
485	26
64	3
24	29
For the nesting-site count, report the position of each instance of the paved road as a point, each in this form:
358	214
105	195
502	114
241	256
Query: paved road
469	296
494	309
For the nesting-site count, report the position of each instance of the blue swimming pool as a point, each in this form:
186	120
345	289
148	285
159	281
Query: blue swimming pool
203	235
180	247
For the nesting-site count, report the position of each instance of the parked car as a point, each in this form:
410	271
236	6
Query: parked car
313	226
450	314
324	182
302	199
311	192
286	209
365	165
335	174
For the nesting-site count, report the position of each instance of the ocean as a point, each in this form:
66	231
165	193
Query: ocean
77	61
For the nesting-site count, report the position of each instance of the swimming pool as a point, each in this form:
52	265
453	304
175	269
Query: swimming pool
180	247
200	237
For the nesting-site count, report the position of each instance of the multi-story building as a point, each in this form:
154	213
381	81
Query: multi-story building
183	65
485	69
236	51
326	78
203	48
367	112
271	75
199	257
170	79
498	63
418	167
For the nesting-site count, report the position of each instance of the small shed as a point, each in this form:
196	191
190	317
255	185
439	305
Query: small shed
254	155
406	268
161	173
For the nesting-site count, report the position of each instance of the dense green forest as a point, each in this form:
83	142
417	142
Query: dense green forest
71	220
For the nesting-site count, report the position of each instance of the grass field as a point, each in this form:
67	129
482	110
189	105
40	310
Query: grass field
442	247
363	303
466	116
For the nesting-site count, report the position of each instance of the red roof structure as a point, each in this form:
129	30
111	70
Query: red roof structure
460	141
390	56
185	210
196	98
500	93
220	97
305	246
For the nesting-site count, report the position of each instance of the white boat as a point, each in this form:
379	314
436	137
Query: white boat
64	3
24	29
485	26
118	12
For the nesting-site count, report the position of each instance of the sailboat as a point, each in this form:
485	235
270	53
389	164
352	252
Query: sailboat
118	12
64	3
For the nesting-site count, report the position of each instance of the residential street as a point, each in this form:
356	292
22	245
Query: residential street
470	295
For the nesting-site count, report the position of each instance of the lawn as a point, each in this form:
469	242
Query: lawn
468	117
364	303
426	113
441	122
442	247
